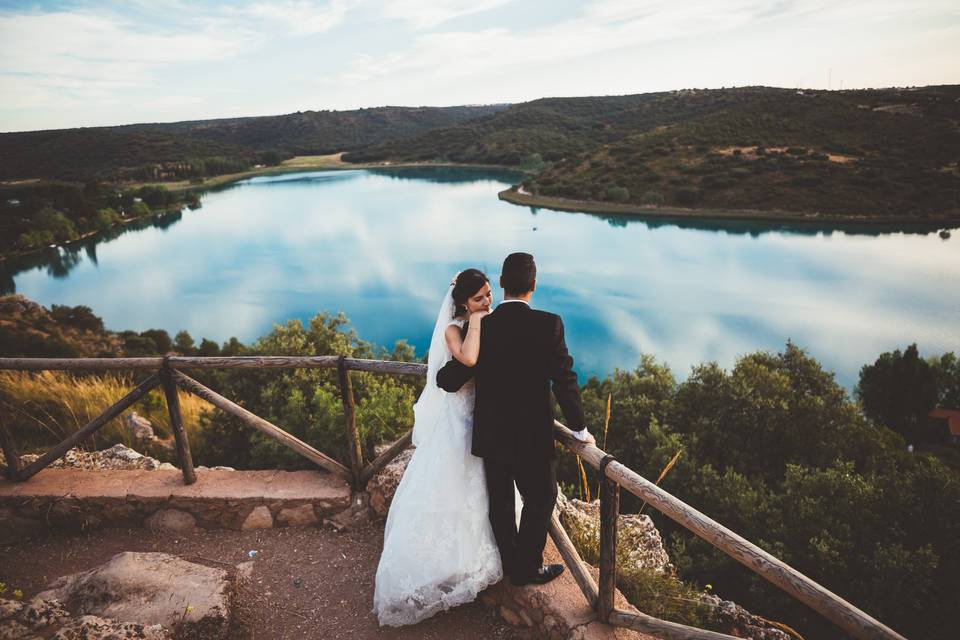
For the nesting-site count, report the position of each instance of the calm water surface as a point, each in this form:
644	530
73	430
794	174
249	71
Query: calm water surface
382	246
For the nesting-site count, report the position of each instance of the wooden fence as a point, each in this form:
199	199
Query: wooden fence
168	374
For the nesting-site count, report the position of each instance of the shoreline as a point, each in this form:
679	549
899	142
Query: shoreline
513	196
322	163
91	233
332	162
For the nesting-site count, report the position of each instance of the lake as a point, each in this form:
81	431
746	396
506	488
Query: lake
382	245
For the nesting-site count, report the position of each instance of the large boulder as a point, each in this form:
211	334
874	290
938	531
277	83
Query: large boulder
638	541
148	589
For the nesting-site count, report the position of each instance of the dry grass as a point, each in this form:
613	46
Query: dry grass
44	407
663	474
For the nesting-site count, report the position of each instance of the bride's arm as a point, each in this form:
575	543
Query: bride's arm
466	350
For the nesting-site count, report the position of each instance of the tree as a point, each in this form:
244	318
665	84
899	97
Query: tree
898	391
105	218
209	348
138	209
58	225
80	317
618	194
183	343
946	371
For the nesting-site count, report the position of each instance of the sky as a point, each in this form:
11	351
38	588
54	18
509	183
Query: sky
72	64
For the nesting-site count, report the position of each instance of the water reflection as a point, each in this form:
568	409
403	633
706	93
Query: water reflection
59	261
382	245
755	228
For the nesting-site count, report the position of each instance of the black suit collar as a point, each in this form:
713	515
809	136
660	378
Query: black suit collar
507	308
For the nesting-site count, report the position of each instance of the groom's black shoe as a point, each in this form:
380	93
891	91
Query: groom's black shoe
543	575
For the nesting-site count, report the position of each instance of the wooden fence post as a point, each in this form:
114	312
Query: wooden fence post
353	434
176	423
10	453
609	511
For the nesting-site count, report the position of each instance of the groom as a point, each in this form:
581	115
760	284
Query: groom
522	355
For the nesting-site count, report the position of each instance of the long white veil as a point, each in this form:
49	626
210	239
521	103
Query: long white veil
430	408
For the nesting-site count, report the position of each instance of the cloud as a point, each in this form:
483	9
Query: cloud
75	57
603	27
424	15
608	26
301	17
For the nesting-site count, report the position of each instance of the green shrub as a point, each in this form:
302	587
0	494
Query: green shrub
652	197
618	194
687	195
105	218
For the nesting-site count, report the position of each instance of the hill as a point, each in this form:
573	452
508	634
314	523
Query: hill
211	147
882	153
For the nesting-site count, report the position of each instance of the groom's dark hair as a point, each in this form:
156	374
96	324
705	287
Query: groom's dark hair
519	274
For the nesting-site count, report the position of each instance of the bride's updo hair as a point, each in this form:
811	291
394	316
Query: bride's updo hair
467	283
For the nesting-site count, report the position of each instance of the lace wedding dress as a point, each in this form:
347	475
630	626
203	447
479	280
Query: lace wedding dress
438	547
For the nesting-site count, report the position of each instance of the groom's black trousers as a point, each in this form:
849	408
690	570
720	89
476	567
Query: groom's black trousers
521	552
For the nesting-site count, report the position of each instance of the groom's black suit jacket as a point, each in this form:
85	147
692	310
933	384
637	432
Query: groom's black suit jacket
522	354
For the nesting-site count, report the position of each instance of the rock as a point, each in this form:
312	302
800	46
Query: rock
151	589
95	628
26	620
41	612
356	515
9	608
737	621
138	427
259	518
383	485
638	541
14	527
171	520
302	516
48	619
245	570
116	457
556	610
511	617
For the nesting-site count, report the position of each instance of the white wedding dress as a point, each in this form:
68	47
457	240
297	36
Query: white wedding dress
438	546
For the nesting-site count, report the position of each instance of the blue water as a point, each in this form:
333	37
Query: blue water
382	245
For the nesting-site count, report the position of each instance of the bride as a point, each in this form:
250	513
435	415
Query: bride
438	546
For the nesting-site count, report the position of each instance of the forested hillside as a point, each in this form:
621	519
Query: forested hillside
211	147
878	154
887	152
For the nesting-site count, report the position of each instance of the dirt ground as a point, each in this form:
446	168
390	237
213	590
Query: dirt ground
306	582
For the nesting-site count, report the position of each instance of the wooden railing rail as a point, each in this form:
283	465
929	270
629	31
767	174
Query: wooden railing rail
614	475
169	376
213	362
831	606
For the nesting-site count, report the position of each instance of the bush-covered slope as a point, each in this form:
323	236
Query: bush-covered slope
875	152
222	145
